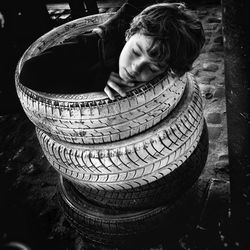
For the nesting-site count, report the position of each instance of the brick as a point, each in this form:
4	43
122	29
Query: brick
217	60
223	157
210	67
216	47
219	31
201	80
206	78
214	132
204	88
211	26
208	34
212	147
213	20
219	92
102	10
202	13
209	96
218	39
222	166
214	118
222	83
195	71
206	91
113	9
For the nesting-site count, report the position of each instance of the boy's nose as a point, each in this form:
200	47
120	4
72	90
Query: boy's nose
136	67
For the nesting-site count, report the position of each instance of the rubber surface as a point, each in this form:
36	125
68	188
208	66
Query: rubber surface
135	161
115	227
91	118
158	192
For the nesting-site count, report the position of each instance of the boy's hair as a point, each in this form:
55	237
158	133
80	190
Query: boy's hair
177	35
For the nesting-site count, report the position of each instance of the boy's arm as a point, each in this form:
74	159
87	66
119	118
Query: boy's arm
115	85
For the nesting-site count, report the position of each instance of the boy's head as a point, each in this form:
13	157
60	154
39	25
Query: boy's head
164	37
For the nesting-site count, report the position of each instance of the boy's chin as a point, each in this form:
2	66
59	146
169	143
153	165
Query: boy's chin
123	76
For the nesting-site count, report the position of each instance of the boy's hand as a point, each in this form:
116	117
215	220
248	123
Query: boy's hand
116	84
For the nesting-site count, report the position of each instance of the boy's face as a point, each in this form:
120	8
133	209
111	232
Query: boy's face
135	65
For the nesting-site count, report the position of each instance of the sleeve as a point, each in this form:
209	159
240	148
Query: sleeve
113	31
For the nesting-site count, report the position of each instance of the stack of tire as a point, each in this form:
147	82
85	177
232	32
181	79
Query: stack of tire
123	164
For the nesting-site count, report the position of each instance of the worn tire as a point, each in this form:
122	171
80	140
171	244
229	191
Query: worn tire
158	192
91	118
122	228
135	161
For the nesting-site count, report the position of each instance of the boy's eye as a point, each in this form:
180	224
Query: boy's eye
135	52
153	70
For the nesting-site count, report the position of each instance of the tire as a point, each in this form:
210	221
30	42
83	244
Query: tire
92	118
157	193
135	161
122	228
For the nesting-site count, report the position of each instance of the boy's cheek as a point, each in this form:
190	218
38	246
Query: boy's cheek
145	77
121	74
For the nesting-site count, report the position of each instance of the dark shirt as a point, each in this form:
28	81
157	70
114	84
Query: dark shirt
82	64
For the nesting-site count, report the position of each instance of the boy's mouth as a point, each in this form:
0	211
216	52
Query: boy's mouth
129	76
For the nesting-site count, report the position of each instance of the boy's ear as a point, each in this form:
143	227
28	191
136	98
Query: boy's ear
126	38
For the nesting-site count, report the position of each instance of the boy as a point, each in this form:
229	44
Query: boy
163	39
